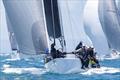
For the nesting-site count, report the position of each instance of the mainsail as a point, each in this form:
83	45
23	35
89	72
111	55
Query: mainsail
93	27
54	26
52	18
5	46
28	23
110	21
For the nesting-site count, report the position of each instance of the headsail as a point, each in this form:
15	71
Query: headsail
71	15
28	24
93	27
110	21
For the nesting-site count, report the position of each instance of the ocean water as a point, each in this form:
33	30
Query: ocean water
33	69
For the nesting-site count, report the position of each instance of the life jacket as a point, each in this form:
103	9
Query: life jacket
92	62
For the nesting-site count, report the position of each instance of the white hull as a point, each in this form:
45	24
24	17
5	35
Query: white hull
113	56
64	65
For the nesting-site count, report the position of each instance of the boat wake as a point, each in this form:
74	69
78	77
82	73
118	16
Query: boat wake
102	70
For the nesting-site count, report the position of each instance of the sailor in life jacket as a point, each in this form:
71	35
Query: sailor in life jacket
53	51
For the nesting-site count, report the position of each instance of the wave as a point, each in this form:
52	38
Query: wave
31	70
4	54
102	70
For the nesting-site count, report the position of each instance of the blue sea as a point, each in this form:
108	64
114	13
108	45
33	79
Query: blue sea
33	69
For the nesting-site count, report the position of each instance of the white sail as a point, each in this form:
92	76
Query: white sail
93	27
71	14
110	21
28	23
4	35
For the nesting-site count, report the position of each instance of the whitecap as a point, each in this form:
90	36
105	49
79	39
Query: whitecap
6	66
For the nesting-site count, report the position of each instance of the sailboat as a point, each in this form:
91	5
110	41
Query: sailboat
69	64
29	27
